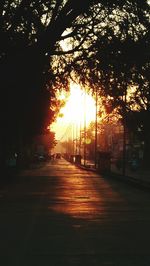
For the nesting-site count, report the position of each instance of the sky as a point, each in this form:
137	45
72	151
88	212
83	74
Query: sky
79	108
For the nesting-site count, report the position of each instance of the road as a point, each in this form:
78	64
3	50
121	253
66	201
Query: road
57	214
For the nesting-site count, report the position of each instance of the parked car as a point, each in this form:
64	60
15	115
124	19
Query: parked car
58	155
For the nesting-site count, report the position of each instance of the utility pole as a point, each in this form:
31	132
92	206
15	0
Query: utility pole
76	139
73	138
80	139
96	128
124	132
84	126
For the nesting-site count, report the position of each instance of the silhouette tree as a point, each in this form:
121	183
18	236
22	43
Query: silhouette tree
29	32
35	61
118	63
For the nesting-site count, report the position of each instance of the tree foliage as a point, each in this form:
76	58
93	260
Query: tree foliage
104	43
29	33
115	59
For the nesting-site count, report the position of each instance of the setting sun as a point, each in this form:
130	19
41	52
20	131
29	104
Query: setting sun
78	110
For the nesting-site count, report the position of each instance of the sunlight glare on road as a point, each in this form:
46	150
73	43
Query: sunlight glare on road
78	110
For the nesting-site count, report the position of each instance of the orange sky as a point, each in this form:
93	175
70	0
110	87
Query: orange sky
79	107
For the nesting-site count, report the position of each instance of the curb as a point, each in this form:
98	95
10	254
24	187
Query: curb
127	179
130	180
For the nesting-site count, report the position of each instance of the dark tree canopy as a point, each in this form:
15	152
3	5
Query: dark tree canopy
35	61
30	32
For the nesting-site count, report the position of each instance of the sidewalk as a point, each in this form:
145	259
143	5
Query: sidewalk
140	177
139	174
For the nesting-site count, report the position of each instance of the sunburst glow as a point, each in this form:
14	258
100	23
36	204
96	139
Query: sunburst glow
79	109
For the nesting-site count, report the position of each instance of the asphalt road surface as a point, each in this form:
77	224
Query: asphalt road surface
57	214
